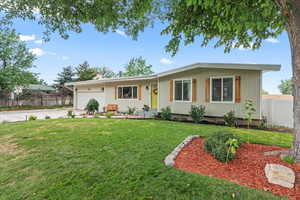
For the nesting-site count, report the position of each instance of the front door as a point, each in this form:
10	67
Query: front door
154	92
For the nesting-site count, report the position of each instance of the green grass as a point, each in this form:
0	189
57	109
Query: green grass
111	159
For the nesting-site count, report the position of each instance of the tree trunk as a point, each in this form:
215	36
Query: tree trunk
293	29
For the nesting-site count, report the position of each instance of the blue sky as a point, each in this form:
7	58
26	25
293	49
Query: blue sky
114	50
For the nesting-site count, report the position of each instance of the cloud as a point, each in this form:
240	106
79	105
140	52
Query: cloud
39	41
272	40
122	33
65	58
37	51
166	61
27	37
51	53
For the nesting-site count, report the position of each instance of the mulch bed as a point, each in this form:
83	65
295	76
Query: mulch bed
246	169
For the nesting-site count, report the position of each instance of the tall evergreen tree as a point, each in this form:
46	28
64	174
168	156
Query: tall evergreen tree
84	72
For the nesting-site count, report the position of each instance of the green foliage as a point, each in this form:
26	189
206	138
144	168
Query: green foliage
166	113
71	114
67	75
289	159
263	123
137	67
131	111
15	61
109	115
249	111
222	145
92	106
84	72
32	118
146	108
197	113
286	86
229	118
105	72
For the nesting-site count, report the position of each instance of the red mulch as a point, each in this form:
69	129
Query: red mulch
246	169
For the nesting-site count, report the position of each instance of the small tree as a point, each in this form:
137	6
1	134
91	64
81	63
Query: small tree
67	75
92	106
249	111
197	113
286	86
229	118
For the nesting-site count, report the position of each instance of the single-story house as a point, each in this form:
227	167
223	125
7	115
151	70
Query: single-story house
220	87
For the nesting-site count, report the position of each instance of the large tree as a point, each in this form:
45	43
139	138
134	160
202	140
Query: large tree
15	61
67	75
85	72
230	24
286	86
105	72
137	67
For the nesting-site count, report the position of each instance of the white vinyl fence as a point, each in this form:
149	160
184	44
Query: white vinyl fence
278	111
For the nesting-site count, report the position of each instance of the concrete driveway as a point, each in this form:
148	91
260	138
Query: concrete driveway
22	115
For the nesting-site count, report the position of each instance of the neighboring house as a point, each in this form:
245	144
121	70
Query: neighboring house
31	88
278	110
219	87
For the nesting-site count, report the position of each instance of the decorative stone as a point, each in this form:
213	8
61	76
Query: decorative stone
170	159
280	175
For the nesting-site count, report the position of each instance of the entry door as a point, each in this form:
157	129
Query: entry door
154	92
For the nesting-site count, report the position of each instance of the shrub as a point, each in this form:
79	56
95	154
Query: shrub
71	114
109	115
131	111
197	113
249	111
47	117
222	145
263	123
166	113
229	118
92	106
32	118
146	108
289	159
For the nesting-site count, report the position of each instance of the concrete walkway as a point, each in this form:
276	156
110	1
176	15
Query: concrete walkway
22	115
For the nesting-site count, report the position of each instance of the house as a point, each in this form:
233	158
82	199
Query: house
220	87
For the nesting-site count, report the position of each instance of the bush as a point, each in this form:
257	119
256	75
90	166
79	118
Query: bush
289	159
197	113
32	118
109	115
71	114
222	145
146	108
166	113
47	117
92	106
229	119
263	123
131	111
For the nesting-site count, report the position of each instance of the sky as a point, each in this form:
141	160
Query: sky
114	50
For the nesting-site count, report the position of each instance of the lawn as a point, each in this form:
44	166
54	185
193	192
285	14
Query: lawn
111	159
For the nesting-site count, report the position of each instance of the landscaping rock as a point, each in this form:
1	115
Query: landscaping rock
170	159
280	175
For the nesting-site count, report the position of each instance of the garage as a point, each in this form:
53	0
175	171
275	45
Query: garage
83	98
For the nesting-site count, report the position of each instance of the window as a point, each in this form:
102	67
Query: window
182	90
222	89
127	92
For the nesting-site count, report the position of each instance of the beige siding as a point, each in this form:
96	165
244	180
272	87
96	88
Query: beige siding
125	103
250	89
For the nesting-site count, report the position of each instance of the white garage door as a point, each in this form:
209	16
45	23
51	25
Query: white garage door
84	97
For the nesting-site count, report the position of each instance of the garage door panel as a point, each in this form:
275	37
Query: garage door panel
84	97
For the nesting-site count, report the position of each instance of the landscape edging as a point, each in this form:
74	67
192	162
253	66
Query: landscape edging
170	159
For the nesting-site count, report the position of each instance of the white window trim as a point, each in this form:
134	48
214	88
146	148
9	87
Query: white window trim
233	89
187	79
121	86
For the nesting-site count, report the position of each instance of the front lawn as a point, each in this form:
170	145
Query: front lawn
111	159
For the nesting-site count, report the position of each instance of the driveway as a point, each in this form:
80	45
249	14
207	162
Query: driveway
22	115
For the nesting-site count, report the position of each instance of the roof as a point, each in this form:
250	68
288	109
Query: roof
259	67
277	96
39	87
